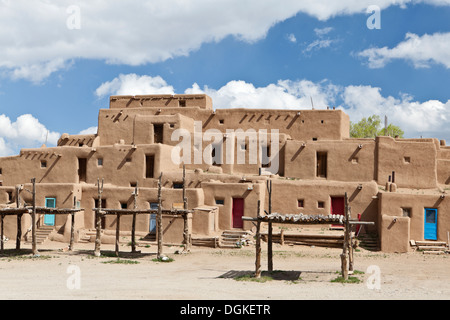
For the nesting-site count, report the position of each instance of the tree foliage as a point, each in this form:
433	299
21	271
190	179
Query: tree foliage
371	127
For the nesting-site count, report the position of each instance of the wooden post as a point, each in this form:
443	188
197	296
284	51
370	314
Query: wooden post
159	218
72	231
2	234
19	221
117	234
33	220
350	242
133	226
344	268
270	231
185	216
258	244
19	231
98	221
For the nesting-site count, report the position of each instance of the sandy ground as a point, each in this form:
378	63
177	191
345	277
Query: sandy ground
209	274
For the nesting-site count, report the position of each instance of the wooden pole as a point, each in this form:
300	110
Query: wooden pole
185	216
19	221
117	234
350	242
33	220
72	231
344	268
19	231
159	218
258	244
133	226
98	221
270	231
2	234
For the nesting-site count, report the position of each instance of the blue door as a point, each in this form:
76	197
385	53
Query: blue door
49	219
153	206
430	227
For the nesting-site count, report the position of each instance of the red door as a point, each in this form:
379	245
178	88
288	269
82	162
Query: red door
238	212
337	207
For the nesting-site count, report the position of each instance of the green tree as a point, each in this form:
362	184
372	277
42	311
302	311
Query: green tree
371	127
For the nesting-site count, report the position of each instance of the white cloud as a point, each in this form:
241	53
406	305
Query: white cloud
291	37
319	44
415	118
36	42
420	50
26	132
90	130
132	84
320	32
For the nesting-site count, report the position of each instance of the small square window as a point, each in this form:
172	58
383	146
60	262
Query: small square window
406	212
172	125
133	184
300	203
220	202
182	103
128	159
43	164
178	185
123	205
407	159
320	204
314	139
221	121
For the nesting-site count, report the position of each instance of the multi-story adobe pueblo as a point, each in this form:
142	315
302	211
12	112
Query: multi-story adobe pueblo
229	154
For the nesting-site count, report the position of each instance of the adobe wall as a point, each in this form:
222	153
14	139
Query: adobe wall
413	160
161	101
390	208
250	191
347	160
286	193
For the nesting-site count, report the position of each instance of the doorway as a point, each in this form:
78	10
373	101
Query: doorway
338	208
158	130
152	228
430	227
49	219
238	213
82	169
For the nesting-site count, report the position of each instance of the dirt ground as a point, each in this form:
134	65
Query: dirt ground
302	272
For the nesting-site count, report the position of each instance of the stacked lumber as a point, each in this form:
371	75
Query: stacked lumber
205	242
430	247
319	240
303	219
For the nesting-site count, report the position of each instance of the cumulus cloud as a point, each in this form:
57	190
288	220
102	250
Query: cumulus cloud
133	84
26	131
420	50
38	41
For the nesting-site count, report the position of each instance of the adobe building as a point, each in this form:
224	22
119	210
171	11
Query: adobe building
229	154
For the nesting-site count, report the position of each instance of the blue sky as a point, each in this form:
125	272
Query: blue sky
60	61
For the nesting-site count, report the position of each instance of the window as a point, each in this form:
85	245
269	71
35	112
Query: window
178	185
1	171
128	159
406	212
182	103
314	139
221	121
158	130
149	166
220	202
300	203
10	196
43	163
124	205
407	159
321	158
320	204
265	157
153	205
100	162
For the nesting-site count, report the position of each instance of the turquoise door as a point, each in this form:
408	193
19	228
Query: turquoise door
49	219
430	227
153	206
